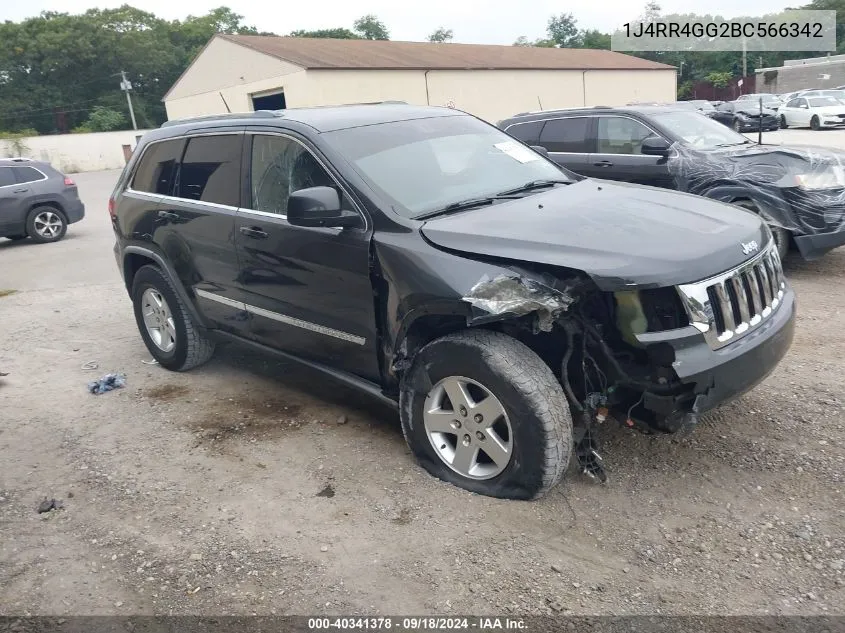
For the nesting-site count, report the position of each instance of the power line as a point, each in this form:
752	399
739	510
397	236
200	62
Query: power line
66	105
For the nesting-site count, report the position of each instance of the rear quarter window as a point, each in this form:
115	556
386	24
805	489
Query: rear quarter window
528	133
156	170
211	170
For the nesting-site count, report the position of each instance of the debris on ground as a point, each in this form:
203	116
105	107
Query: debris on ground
328	492
152	361
107	383
91	365
341	420
49	504
6	293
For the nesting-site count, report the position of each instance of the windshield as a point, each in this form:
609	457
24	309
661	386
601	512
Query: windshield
699	131
821	102
423	165
765	97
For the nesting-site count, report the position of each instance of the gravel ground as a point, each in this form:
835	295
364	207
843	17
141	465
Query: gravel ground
253	486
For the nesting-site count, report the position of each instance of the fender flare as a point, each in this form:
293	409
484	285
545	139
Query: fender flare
770	204
167	269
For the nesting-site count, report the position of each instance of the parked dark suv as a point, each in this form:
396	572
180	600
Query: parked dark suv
507	305
800	191
36	201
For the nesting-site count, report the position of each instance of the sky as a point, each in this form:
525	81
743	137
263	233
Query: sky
472	21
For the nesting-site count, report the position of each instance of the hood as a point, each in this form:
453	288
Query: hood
621	235
755	110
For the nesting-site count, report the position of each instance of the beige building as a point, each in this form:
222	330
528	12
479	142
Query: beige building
239	73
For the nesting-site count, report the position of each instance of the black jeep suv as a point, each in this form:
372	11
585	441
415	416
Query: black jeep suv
800	191
507	305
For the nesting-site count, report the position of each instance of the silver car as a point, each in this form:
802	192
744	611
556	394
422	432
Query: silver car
36	201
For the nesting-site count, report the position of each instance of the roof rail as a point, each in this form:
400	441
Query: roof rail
598	107
258	114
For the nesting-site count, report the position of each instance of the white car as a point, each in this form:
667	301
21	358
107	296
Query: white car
813	112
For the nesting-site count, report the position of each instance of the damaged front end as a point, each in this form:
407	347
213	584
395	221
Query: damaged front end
654	359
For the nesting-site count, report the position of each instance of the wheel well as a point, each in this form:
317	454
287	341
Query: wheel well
425	329
132	263
55	205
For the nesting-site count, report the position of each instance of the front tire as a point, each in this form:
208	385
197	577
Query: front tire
737	126
482	411
46	224
815	124
783	124
166	325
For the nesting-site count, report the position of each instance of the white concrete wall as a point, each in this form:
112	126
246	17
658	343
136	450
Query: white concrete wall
490	94
72	153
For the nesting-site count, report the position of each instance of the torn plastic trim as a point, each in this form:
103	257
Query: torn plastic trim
517	295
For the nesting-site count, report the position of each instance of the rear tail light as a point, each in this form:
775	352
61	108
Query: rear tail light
111	208
69	182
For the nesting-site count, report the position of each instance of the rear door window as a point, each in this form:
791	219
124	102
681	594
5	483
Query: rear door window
211	169
7	177
567	135
620	135
156	172
28	174
528	133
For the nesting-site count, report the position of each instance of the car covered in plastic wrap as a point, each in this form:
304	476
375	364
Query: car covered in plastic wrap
799	191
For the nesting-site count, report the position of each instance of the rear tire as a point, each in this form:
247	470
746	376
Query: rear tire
780	234
166	325
815	124
46	224
530	416
737	126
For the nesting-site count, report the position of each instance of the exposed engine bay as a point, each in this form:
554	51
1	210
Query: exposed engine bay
591	335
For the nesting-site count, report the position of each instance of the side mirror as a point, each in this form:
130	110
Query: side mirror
540	150
655	146
319	206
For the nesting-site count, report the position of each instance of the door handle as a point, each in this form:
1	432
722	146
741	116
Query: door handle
24	190
603	163
169	215
254	232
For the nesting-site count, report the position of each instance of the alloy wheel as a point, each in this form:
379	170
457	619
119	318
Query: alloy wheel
468	427
48	224
158	320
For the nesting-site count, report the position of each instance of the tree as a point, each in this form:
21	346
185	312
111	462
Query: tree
441	35
651	12
719	79
595	39
563	30
337	34
104	119
371	28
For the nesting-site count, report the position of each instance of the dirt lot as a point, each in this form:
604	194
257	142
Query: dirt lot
252	486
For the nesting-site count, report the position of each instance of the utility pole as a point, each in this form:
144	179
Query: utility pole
744	59
126	87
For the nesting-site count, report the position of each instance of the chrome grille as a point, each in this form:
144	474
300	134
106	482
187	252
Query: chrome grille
729	306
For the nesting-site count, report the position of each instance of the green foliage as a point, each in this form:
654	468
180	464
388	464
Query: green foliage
371	28
441	35
563	31
337	34
685	90
104	119
719	79
56	67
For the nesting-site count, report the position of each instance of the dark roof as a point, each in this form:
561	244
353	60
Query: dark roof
314	53
322	118
643	109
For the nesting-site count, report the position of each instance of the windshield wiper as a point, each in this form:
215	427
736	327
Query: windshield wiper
535	184
745	142
457	206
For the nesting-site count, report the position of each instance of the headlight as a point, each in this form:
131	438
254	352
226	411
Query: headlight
830	179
